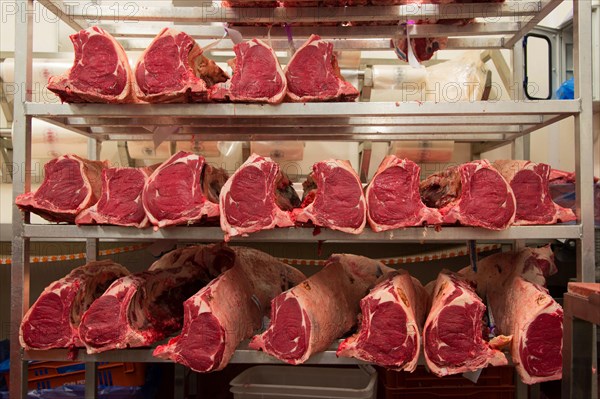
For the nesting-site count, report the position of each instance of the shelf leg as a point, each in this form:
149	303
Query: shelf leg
579	362
91	254
91	249
579	345
179	381
521	390
584	143
91	380
19	284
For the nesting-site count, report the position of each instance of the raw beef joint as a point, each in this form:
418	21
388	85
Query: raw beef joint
100	73
529	182
393	199
228	310
309	317
513	283
121	200
391	323
258	196
173	69
333	197
527	312
257	76
474	194
453	336
53	320
143	308
532	264
183	190
71	184
313	74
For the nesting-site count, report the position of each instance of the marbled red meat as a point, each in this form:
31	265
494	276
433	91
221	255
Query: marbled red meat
513	283
453	339
143	308
526	311
313	74
53	320
393	199
100	72
473	194
258	196
228	310
71	184
392	317
173	69
257	76
307	318
183	190
529	182
121	199
333	198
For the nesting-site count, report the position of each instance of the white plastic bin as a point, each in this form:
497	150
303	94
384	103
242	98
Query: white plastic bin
270	382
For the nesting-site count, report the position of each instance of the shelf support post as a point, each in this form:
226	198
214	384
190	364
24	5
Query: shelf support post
91	253
19	284
579	356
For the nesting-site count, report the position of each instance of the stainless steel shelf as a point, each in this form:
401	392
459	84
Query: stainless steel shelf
215	234
510	20
144	355
460	121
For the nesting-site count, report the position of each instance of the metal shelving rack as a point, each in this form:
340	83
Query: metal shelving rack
487	124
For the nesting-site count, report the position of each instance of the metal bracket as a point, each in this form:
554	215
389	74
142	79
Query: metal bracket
367	84
6	152
364	151
124	157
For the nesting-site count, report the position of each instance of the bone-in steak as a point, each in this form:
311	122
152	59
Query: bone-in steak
173	69
100	72
53	320
71	184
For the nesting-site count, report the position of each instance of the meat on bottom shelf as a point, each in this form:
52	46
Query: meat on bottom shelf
185	190
214	296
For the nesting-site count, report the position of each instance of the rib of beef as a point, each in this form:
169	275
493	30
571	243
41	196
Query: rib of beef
183	190
258	196
513	283
474	194
533	264
529	182
309	317
71	184
173	69
393	199
333	197
313	74
453	336
228	310
53	320
120	203
143	308
535	320
100	72
257	76
391	323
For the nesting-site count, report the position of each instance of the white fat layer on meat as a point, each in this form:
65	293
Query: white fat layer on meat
121	285
86	181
